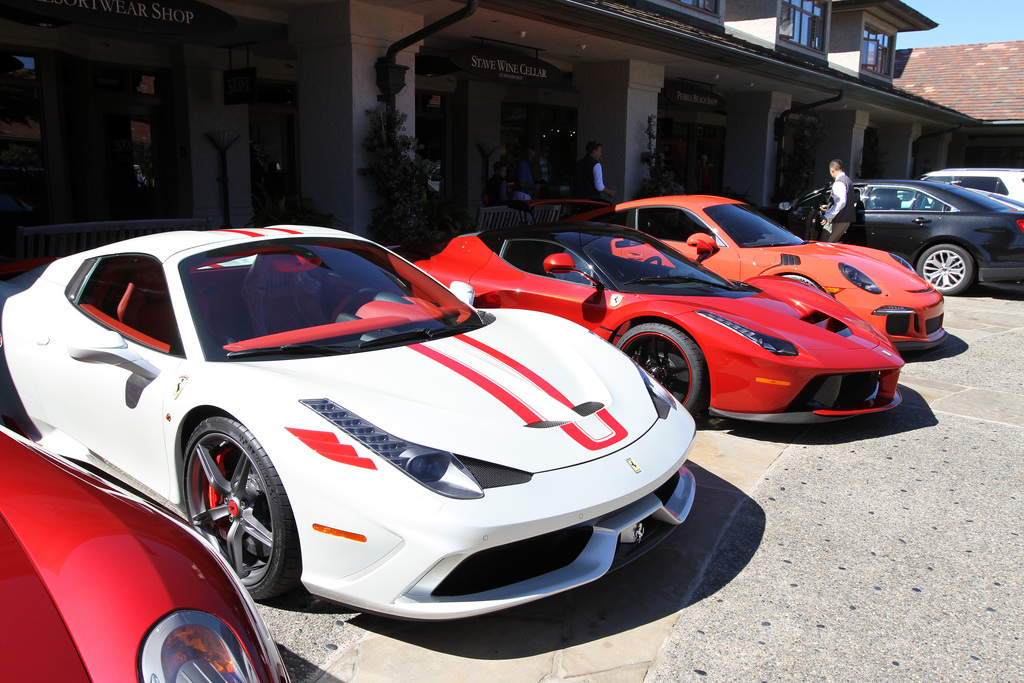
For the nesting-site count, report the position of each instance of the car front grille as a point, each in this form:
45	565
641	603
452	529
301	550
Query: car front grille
835	392
898	324
515	562
933	324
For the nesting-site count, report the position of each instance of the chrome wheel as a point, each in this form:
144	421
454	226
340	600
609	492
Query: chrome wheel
948	268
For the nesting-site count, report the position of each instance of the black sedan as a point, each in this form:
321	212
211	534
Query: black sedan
953	236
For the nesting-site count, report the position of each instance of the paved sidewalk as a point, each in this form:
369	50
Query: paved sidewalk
880	547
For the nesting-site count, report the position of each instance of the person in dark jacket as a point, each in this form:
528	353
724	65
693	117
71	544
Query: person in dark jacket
841	210
590	177
497	185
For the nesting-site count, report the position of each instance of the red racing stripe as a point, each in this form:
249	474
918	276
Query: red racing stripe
510	400
515	404
253	233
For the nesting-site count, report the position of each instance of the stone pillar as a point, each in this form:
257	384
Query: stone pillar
843	138
615	99
476	139
338	45
896	142
750	147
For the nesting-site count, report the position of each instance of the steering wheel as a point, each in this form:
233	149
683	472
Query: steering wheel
655	260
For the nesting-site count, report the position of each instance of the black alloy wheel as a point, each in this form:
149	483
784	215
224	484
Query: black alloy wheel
672	358
234	498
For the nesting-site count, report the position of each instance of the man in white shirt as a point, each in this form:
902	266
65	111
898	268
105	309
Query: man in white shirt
590	177
843	208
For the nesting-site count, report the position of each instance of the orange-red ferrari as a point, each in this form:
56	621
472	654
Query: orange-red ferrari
735	241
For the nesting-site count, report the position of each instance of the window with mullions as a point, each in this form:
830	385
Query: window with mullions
803	22
706	5
24	199
876	54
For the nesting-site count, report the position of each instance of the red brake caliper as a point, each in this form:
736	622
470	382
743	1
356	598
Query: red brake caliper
213	499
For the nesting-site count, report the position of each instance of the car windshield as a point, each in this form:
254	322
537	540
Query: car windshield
641	264
747	228
314	297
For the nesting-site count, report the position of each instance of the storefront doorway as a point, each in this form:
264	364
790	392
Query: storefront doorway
551	132
133	173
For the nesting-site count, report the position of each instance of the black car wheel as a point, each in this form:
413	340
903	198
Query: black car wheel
949	268
673	359
234	497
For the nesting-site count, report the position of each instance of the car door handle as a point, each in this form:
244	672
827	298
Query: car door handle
921	220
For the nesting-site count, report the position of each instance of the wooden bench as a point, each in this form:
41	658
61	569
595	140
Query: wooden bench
61	239
492	217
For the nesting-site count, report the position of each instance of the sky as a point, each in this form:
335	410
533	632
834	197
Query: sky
960	22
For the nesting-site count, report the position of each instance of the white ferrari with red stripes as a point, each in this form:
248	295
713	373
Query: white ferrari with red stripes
324	412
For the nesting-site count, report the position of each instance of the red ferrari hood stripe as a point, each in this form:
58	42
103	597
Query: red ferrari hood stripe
253	233
517	405
518	367
510	400
327	445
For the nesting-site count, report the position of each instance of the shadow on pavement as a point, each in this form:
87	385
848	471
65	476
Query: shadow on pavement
1012	291
950	346
656	585
911	415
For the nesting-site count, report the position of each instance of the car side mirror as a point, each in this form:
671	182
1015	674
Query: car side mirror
561	263
785	206
110	348
703	244
557	264
463	291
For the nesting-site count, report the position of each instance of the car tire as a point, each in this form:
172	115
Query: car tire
947	267
234	498
804	280
672	358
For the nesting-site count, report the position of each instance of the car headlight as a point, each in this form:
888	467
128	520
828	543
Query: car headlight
858	278
903	262
436	469
780	347
189	645
664	401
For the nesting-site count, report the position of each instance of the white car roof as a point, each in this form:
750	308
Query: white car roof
165	245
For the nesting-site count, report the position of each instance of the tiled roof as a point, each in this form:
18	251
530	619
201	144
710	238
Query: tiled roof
697	36
984	80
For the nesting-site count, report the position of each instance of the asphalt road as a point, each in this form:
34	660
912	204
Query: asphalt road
886	547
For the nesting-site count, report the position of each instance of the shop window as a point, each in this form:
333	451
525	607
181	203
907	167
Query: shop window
706	5
876	53
803	22
551	132
23	196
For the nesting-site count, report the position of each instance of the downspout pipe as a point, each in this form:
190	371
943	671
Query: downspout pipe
780	133
391	74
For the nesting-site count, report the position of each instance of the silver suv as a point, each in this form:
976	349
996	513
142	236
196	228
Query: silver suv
1007	181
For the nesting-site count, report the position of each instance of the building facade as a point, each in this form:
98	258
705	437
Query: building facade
123	110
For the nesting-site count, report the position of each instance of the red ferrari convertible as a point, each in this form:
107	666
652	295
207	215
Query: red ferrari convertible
733	240
98	586
768	349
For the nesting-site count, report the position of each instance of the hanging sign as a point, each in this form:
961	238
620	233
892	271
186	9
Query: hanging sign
180	17
505	66
693	98
240	86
